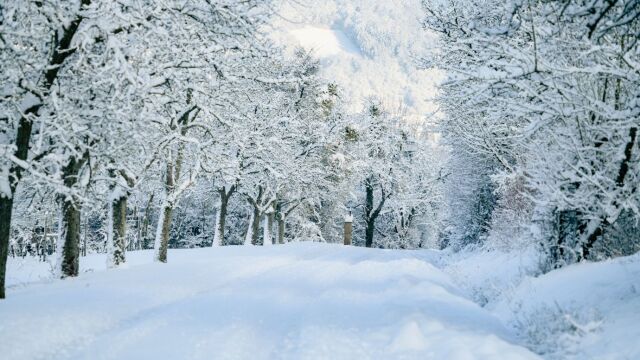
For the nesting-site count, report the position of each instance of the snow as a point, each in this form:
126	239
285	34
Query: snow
600	300
295	301
29	101
5	185
583	311
370	48
324	42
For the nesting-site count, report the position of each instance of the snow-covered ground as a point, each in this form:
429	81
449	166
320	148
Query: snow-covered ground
296	301
320	301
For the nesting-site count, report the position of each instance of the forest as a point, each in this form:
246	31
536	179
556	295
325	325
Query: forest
141	129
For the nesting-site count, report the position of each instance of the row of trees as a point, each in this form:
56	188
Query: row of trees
110	106
541	117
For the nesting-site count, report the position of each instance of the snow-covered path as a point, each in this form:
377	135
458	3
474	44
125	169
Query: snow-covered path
298	301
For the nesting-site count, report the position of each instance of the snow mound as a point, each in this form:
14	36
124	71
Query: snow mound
587	310
296	301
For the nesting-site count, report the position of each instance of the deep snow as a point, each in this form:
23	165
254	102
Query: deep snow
583	311
297	301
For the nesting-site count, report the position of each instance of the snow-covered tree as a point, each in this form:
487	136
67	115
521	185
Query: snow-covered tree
545	95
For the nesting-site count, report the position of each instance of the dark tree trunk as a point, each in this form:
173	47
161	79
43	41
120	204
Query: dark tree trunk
6	207
370	229
221	218
254	221
70	219
70	238
119	209
567	223
281	229
145	224
371	214
368	211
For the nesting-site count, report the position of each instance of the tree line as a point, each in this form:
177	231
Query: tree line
176	115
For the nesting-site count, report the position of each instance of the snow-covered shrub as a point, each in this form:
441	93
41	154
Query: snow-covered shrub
556	332
487	274
510	219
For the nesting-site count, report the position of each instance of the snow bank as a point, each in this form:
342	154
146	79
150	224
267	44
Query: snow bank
584	311
297	301
487	274
595	305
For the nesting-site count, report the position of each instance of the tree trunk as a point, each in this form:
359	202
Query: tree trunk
248	238
163	232
368	212
267	227
6	208
567	239
119	229
145	224
270	222
166	212
371	227
84	237
218	237
371	214
69	240
136	216
255	226
281	229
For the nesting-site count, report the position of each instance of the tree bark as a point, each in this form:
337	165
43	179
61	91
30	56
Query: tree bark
221	216
248	238
371	214
218	238
599	230
162	236
368	211
255	226
69	241
370	229
145	224
567	238
281	229
252	235
119	230
6	208
267	238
